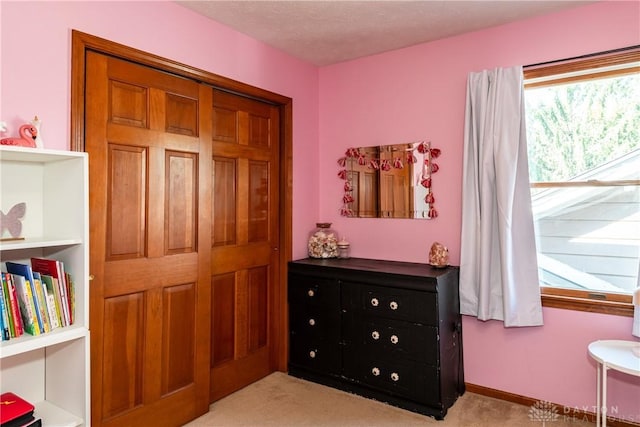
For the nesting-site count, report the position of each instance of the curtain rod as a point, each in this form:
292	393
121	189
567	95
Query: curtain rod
589	55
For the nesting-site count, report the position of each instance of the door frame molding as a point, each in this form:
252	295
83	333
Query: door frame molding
82	42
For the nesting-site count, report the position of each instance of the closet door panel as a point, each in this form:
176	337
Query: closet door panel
245	223
151	246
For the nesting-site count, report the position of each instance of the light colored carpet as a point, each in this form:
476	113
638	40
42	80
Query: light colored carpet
282	400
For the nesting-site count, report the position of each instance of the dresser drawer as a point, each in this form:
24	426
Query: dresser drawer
393	303
410	380
391	338
318	355
315	323
312	291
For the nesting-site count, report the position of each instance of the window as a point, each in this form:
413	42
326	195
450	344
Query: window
583	133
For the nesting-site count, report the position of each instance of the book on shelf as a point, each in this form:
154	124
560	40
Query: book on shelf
15	410
53	300
55	269
8	315
25	271
11	303
27	307
71	294
4	319
42	302
16	304
6	306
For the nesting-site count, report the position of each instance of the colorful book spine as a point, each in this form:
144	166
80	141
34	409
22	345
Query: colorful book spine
71	294
64	283
52	300
1	324
6	334
32	291
27	309
42	302
61	302
15	306
7	307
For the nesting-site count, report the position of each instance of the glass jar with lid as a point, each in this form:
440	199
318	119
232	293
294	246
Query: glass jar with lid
343	249
323	241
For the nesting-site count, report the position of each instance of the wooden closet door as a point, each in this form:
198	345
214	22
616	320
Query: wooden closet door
245	231
150	213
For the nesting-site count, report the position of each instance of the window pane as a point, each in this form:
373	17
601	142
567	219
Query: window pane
588	236
573	128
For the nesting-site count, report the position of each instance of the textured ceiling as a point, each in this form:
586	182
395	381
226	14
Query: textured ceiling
327	32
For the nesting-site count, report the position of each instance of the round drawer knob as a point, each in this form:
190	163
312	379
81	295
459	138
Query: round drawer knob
375	302
310	292
395	376
375	335
375	371
393	305
394	339
312	354
312	322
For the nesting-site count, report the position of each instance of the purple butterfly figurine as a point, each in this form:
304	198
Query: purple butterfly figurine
11	221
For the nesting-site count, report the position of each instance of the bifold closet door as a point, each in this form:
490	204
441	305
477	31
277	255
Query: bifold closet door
245	233
150	215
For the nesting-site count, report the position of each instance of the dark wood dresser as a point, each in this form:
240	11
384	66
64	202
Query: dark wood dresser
386	330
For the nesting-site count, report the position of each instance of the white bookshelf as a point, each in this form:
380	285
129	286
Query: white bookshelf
51	370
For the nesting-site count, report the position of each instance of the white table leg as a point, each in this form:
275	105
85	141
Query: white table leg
616	355
598	395
604	394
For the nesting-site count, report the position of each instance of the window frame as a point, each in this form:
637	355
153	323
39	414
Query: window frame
570	71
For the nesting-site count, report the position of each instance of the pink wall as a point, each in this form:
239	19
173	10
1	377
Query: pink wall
419	93
400	96
36	64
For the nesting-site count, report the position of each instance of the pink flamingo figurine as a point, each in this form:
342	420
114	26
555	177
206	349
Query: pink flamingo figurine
28	135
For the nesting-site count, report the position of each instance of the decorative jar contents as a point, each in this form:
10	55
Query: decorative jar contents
323	241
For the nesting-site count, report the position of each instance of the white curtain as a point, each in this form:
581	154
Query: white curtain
498	267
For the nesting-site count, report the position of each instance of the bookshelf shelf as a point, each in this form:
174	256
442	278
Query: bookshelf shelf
55	415
37	242
27	342
51	370
31	155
